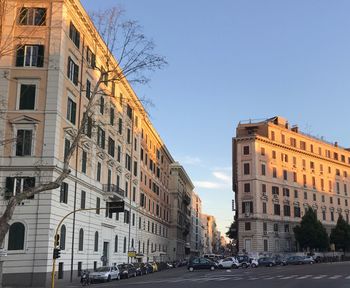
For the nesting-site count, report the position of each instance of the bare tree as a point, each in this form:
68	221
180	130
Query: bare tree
134	54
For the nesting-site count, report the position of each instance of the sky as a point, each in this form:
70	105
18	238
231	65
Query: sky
233	60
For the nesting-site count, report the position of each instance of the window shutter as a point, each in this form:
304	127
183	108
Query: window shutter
68	65
10	182
243	207
74	112
103	139
76	74
20	56
40	62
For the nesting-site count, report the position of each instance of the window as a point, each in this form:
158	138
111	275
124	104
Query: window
81	240
265	245
297	212
246	150
30	56
16	236
96	242
128	137
88	89
83	161
66	147
247	226
126	216
277	209
90	58
101	134
63	237
262	151
120	125
99	167
275	190
305	195
111	116
129	111
286	210
72	71
119	153
27	97
264	208
64	193
274	172
32	16
111	146
74	34
98	205
82	199
88	127
246	187
263	169
24	142
331	200
60	270
16	185
302	145
296	194
246	168
324	215
71	110
116	243
286	192
124	245
102	105
332	216
247	207
128	162
135	168
285	175
275	227
273	154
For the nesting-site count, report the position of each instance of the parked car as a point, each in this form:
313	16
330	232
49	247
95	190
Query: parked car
105	273
229	262
149	268
127	271
280	261
141	269
154	266
267	261
253	263
243	261
201	263
295	260
308	260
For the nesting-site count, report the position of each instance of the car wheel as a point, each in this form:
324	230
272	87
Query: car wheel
135	274
270	264
253	265
118	278
311	262
221	267
191	269
109	278
244	265
212	268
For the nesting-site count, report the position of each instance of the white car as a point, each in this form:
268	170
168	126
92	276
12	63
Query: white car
254	263
105	274
229	262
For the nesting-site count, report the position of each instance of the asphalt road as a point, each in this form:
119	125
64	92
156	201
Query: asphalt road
327	275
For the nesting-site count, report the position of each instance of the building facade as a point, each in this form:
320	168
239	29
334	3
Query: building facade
211	235
278	172
48	78
181	190
197	229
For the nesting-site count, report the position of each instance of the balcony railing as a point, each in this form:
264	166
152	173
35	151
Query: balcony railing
111	188
186	199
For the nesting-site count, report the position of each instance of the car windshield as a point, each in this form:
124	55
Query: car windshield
123	266
103	269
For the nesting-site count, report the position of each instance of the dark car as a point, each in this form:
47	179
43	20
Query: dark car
267	261
201	263
149	268
127	271
141	269
280	261
295	260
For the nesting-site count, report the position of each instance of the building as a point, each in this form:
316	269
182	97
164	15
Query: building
181	190
278	172
197	228
48	80
211	235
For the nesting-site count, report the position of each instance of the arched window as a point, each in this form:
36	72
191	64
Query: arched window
63	237
116	244
16	236
96	242
147	246
81	239
124	247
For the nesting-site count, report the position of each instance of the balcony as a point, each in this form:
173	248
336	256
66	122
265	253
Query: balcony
112	189
186	199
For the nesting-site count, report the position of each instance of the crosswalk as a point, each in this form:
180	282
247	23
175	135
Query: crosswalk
228	277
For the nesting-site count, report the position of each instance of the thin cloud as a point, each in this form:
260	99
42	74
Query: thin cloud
222	176
207	185
190	160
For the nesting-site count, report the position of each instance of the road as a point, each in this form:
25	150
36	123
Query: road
335	275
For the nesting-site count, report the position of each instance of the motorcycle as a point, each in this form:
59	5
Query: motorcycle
85	278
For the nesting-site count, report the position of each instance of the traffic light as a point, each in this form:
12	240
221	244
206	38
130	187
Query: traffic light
56	253
57	240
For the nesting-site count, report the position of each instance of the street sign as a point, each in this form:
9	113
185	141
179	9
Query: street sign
131	254
115	206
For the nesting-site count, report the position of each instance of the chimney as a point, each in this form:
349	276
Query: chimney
295	129
335	144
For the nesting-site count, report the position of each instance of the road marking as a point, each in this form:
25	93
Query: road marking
269	278
347	277
319	277
335	277
303	277
253	278
289	277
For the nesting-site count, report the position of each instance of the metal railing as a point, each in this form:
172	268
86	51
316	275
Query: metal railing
111	188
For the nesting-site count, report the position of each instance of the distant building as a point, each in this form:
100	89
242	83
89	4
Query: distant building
181	190
211	235
197	241
278	172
